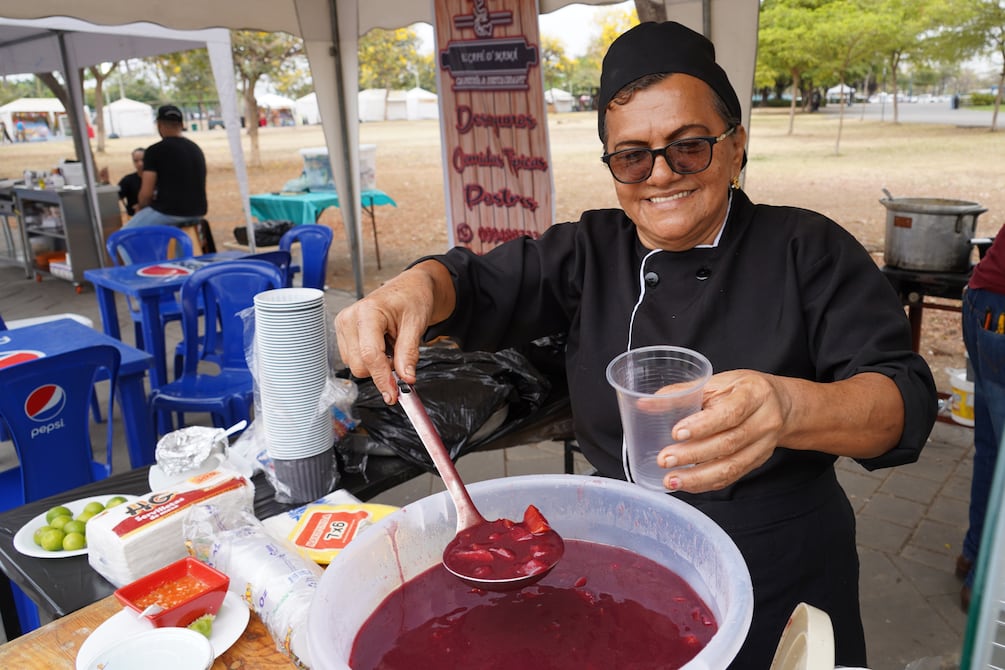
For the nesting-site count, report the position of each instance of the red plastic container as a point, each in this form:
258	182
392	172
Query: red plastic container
186	589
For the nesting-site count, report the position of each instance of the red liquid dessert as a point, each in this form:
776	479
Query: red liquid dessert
504	549
601	607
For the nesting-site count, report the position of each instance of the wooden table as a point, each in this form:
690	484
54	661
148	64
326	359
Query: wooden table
55	645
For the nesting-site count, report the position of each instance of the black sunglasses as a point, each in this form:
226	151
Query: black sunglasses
687	156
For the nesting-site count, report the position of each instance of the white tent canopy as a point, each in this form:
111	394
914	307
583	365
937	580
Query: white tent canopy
129	118
422	104
307	109
65	45
273	101
331	29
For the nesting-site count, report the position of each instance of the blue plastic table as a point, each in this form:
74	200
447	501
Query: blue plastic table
63	335
146	283
306	207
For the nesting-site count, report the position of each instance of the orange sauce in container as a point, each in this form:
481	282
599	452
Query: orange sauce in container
172	593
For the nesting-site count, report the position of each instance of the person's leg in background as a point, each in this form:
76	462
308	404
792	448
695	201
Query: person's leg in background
148	216
986	349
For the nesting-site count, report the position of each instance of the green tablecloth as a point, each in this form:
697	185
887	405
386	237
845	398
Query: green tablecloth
307	207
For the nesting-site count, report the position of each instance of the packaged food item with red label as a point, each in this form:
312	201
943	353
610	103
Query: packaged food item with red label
325	530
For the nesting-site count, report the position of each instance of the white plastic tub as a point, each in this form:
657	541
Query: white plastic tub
655	525
318	169
962	402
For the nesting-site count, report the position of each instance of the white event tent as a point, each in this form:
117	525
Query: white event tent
331	29
66	45
129	118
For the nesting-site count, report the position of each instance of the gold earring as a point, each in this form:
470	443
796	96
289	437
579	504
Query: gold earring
735	183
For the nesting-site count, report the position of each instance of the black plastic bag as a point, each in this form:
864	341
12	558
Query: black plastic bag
461	391
267	233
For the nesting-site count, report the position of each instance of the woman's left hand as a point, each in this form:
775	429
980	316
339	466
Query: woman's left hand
740	423
746	415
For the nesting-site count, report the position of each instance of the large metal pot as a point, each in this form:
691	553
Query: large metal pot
931	234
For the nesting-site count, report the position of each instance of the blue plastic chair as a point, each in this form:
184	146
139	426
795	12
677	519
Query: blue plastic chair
149	244
19	323
212	351
44	407
315	241
281	258
225	289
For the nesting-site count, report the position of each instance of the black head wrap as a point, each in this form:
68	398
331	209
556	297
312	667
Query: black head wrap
655	48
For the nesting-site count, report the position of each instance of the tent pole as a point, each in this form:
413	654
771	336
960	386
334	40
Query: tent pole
74	89
350	205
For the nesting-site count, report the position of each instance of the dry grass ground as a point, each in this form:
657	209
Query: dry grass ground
798	169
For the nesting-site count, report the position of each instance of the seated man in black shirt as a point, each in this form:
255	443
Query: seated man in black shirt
173	186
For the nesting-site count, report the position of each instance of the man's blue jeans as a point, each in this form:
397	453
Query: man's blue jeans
148	216
986	349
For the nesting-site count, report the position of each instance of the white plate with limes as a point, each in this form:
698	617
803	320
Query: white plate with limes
24	539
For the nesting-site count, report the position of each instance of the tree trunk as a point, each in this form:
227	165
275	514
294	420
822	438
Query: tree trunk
894	65
792	105
998	101
837	142
251	122
99	109
651	10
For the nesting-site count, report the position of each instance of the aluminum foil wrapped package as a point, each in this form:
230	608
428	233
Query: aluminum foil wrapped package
268	573
186	449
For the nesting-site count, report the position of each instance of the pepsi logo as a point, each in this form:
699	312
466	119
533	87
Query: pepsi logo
164	270
9	358
45	403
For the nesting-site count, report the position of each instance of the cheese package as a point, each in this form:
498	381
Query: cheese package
325	530
133	539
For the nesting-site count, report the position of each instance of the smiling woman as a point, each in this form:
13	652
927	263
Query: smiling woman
805	369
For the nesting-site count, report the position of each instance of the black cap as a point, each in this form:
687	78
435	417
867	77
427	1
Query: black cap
169	113
655	48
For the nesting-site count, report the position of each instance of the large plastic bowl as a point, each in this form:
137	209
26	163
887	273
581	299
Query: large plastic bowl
655	525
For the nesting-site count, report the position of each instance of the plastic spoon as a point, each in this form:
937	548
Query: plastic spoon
499	555
151	610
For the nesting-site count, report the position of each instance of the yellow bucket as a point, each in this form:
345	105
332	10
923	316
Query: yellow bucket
962	401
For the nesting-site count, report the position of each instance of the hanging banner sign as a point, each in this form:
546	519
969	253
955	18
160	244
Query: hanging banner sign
497	165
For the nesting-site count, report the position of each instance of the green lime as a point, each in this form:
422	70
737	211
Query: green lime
52	540
57	511
84	516
112	502
203	624
59	521
93	508
74	541
38	535
74	526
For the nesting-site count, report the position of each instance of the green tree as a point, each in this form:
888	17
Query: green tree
294	81
848	34
784	45
902	31
189	79
12	89
387	58
555	65
979	31
258	55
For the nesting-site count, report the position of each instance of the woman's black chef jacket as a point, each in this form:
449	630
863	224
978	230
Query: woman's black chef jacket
786	291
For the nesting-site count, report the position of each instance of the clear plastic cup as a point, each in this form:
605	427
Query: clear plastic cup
656	387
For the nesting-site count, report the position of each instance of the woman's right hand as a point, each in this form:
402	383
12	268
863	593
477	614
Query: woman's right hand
396	314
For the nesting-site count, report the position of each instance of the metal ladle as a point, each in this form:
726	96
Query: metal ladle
468	515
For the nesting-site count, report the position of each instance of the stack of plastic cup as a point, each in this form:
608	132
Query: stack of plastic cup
291	350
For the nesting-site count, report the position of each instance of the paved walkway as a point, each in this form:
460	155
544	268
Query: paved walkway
911	519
